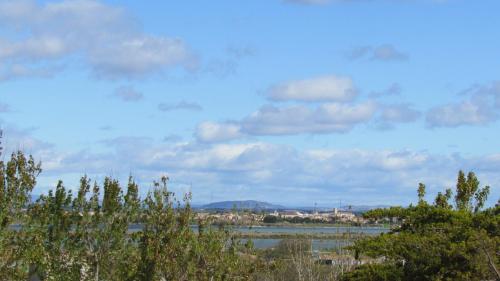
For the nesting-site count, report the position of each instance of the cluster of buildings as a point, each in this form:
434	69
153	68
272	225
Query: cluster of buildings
334	215
231	217
286	215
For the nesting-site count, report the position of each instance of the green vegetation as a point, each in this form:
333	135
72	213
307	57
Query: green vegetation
86	236
436	241
61	237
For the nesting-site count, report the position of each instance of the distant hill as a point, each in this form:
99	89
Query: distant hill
242	205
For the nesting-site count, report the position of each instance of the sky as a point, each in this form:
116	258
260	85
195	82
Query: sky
294	102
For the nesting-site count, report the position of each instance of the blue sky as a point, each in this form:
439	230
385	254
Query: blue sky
292	102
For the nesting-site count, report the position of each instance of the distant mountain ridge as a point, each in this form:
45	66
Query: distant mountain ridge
242	205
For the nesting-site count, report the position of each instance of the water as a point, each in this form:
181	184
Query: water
317	244
309	229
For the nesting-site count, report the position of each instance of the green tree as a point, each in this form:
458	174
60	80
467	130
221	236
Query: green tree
468	190
17	180
442	200
421	193
436	242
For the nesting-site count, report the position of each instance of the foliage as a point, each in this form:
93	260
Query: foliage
17	180
437	242
376	272
87	236
61	237
292	260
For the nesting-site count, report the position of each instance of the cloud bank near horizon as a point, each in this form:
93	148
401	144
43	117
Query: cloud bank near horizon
312	100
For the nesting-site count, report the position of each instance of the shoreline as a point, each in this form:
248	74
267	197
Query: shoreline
319	236
306	225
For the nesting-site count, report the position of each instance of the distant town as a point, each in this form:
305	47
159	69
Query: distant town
255	213
289	216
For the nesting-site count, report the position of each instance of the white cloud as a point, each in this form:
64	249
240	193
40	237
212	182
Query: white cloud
324	88
480	108
458	114
397	113
247	170
128	94
217	132
326	118
104	37
259	170
15	71
15	138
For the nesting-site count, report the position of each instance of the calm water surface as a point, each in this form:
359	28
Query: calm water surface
306	229
317	244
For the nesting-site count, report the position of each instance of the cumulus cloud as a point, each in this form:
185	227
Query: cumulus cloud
104	37
481	107
326	118
15	138
397	113
270	120
245	170
217	132
15	71
128	94
385	52
324	88
182	105
459	114
254	169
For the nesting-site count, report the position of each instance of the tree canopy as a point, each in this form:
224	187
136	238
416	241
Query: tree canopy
88	237
439	241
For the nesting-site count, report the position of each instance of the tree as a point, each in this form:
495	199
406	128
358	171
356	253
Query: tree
441	200
468	190
421	193
64	237
17	180
437	242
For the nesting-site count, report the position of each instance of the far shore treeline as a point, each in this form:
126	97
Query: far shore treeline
84	236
